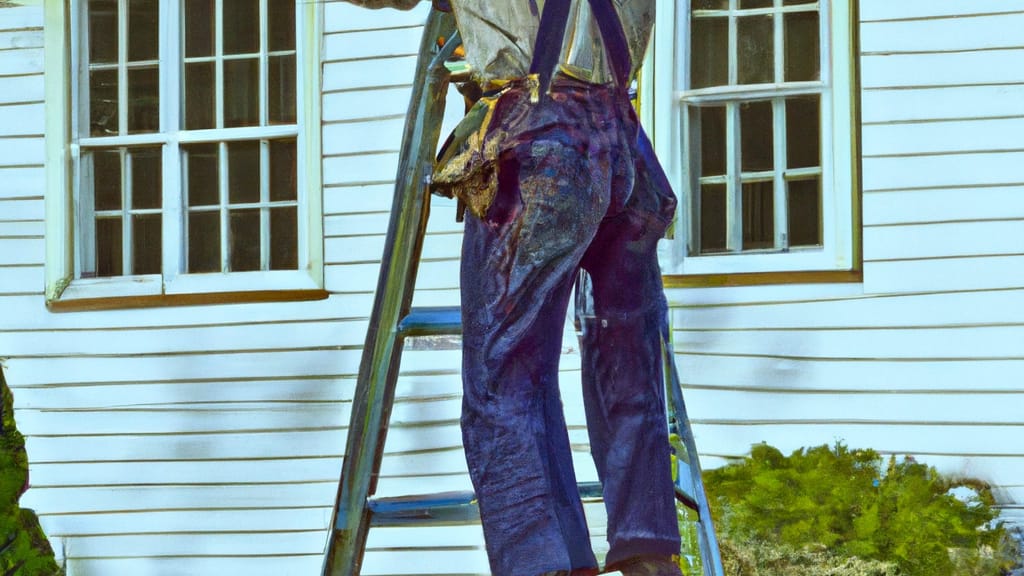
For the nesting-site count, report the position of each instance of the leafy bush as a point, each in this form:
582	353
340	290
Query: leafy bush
24	549
755	558
835	511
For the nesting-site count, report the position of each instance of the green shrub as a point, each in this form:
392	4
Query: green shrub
756	558
835	511
24	550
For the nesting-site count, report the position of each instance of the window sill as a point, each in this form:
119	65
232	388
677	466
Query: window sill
762	278
207	299
765	262
187	290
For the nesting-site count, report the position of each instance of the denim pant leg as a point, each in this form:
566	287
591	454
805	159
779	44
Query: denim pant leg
623	382
519	264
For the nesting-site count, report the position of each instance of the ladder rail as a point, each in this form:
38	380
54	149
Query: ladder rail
375	387
711	558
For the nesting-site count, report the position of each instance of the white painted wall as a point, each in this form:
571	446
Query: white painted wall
925	356
208	440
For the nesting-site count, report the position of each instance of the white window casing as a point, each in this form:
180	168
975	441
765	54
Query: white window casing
70	239
666	98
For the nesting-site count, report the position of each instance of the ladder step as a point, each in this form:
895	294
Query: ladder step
443	508
456	507
432	321
684	484
687	499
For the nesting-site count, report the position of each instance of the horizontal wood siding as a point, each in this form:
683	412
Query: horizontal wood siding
942	107
923	358
21	153
209	440
931	374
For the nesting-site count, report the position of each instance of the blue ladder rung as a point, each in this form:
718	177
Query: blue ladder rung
443	508
684	485
432	321
687	499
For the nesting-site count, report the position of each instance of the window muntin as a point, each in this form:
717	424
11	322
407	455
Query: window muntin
754	98
191	168
126	188
255	203
762	137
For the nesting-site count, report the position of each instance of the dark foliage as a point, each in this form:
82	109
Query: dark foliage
24	549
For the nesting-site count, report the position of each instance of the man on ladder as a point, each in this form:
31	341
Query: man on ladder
576	186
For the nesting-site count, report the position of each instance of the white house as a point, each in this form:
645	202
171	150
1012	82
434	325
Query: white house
848	261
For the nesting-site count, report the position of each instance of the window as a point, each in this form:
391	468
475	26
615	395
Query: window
759	134
188	147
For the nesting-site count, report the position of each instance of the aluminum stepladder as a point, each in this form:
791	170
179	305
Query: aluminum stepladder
392	320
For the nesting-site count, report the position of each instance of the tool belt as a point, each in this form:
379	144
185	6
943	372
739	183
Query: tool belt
467	164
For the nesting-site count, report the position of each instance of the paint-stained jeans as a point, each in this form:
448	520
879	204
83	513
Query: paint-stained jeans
571	193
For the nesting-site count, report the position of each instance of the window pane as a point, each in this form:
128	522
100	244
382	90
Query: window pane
281	88
758	215
143	99
143	30
109	253
241	26
203	174
710	4
103	102
792	2
199	19
805	213
146	243
709	52
802	55
712	218
147	177
712	139
102	20
281	24
283	181
802	132
746	4
284	249
756	49
199	95
756	136
241	92
244	172
106	179
204	241
245	240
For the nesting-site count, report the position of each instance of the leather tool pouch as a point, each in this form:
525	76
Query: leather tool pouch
467	164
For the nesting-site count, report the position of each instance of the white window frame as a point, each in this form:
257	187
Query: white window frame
65	225
670	60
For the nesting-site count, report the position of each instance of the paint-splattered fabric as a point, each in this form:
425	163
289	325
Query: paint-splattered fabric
571	193
499	35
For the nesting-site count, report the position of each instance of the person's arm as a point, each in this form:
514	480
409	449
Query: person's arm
400	4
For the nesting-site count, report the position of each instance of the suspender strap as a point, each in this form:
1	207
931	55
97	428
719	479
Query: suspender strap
548	49
617	49
550	35
614	37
